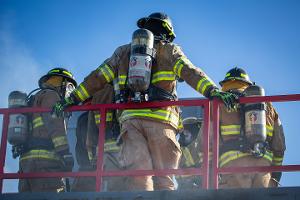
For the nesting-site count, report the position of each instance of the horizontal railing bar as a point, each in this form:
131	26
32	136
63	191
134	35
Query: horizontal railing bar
162	172
194	102
277	98
284	168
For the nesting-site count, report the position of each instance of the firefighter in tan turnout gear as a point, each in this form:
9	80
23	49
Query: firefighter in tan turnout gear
191	147
147	69
251	136
111	149
46	148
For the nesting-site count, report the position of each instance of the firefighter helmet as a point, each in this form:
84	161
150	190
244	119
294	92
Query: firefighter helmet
58	72
158	23
236	74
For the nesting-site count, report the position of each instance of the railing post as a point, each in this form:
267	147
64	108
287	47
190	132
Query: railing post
205	149
3	147
101	139
215	162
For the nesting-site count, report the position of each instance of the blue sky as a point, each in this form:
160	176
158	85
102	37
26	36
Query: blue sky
262	36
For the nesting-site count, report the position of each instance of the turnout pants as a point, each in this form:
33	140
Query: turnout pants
86	184
41	184
246	180
149	145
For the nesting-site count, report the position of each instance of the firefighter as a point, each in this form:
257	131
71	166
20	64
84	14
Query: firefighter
82	184
47	149
111	148
149	135
190	141
237	148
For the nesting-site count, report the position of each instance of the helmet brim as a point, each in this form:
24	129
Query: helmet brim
232	79
141	22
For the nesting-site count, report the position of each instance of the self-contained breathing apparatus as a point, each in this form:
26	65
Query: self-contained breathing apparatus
138	84
253	124
20	125
142	55
255	121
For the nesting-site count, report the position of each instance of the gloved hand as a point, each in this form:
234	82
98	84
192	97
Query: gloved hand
229	99
60	106
68	161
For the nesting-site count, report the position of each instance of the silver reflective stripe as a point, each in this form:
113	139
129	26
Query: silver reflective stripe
233	155
37	122
164	115
81	92
106	71
109	117
163	76
38	154
230	129
203	84
59	141
270	130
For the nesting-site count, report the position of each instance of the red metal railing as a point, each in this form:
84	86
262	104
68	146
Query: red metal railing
215	169
99	172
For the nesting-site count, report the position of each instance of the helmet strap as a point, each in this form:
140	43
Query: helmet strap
63	87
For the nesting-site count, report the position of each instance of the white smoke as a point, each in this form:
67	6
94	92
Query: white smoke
18	71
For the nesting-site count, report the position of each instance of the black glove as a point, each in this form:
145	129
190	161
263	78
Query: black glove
229	99
60	106
68	161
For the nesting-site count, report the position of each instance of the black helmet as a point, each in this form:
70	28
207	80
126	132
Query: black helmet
236	74
58	72
158	23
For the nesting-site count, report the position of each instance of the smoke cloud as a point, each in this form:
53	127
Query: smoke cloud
19	71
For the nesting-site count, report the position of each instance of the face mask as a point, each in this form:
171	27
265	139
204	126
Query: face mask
69	89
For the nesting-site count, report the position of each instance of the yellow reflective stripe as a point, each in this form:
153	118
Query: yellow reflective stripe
157	114
54	70
270	130
189	161
233	155
59	141
167	25
122	79
81	92
245	76
180	124
203	84
67	73
37	122
90	155
107	72
109	117
277	160
163	76
178	67
230	129
39	154
111	146
86	94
